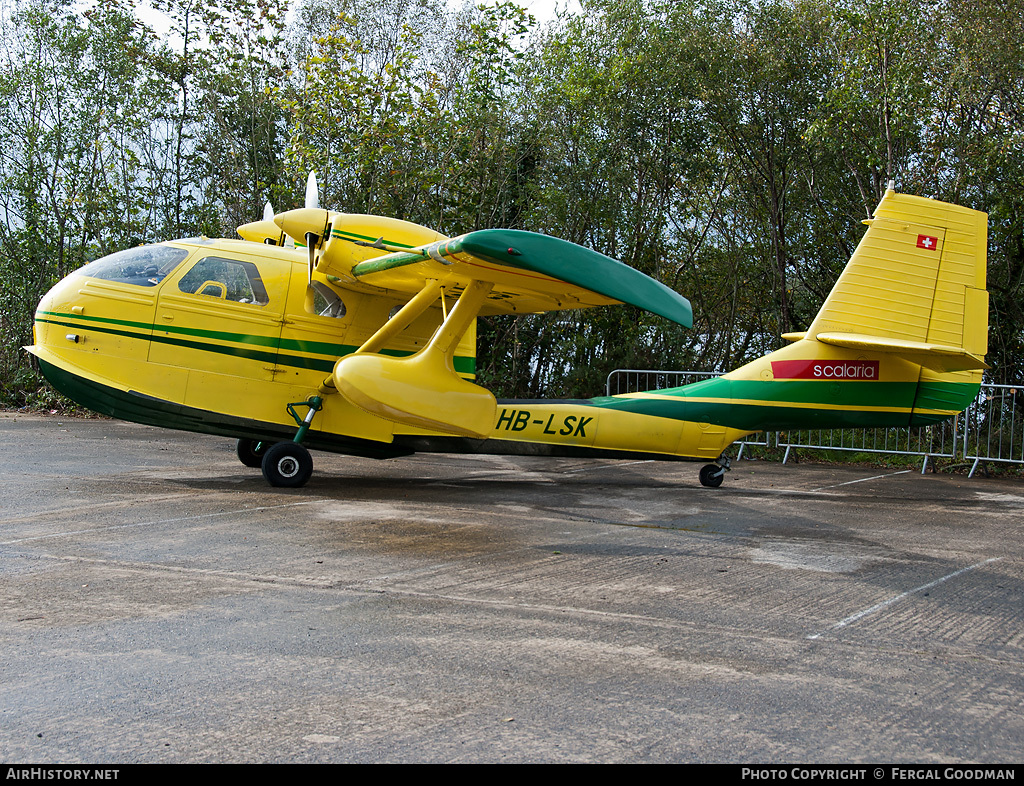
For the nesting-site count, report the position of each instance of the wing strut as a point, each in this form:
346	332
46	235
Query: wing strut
405	317
422	390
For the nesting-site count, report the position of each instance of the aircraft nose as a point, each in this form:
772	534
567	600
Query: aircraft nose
45	331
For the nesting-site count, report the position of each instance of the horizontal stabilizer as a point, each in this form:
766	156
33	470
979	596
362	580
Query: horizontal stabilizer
938	357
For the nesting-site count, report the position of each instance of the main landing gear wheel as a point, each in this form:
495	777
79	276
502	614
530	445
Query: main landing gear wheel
712	475
287	465
251	451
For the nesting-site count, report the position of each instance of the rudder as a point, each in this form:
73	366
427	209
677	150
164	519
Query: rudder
915	287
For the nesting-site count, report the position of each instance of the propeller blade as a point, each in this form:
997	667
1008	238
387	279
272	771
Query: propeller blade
312	240
312	191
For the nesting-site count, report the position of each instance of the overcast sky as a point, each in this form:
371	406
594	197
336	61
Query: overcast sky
545	9
542	10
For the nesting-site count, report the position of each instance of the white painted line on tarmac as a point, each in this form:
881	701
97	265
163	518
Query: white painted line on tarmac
609	466
153	523
861	480
878	606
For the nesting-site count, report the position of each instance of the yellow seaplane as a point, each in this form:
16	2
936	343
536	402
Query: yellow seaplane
364	341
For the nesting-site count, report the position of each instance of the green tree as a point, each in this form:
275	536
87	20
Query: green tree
241	130
974	153
76	90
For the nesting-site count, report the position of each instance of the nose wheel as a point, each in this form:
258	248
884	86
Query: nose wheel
284	464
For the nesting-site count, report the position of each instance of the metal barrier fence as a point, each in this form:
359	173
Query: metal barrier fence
994	426
938	441
635	380
991	429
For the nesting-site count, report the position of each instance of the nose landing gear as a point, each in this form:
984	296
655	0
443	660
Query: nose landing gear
287	465
284	464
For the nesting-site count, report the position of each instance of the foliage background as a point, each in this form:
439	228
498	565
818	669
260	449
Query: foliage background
728	148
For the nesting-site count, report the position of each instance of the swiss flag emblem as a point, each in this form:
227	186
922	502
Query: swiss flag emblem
927	241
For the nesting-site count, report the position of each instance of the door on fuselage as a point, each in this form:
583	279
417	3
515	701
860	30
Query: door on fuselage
218	321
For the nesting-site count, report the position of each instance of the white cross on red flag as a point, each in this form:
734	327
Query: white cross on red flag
926	241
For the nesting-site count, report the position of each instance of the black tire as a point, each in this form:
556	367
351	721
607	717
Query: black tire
250	452
287	465
709	478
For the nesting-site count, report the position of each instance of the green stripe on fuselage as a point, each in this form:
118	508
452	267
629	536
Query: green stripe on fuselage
787	404
137	408
193	339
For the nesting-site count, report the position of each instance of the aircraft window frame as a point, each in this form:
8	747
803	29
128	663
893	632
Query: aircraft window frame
142	266
240	280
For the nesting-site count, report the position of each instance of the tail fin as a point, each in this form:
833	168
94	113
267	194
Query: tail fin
900	340
914	288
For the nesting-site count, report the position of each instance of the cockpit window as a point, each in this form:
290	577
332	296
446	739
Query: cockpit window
226	279
145	266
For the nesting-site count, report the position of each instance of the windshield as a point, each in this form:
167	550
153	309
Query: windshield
145	266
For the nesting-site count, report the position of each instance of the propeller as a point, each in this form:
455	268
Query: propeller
312	202
265	230
335	242
310	224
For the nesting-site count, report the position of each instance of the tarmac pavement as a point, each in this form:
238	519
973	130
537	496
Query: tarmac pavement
159	602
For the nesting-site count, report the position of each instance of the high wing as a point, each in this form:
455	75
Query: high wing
496	271
530	273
